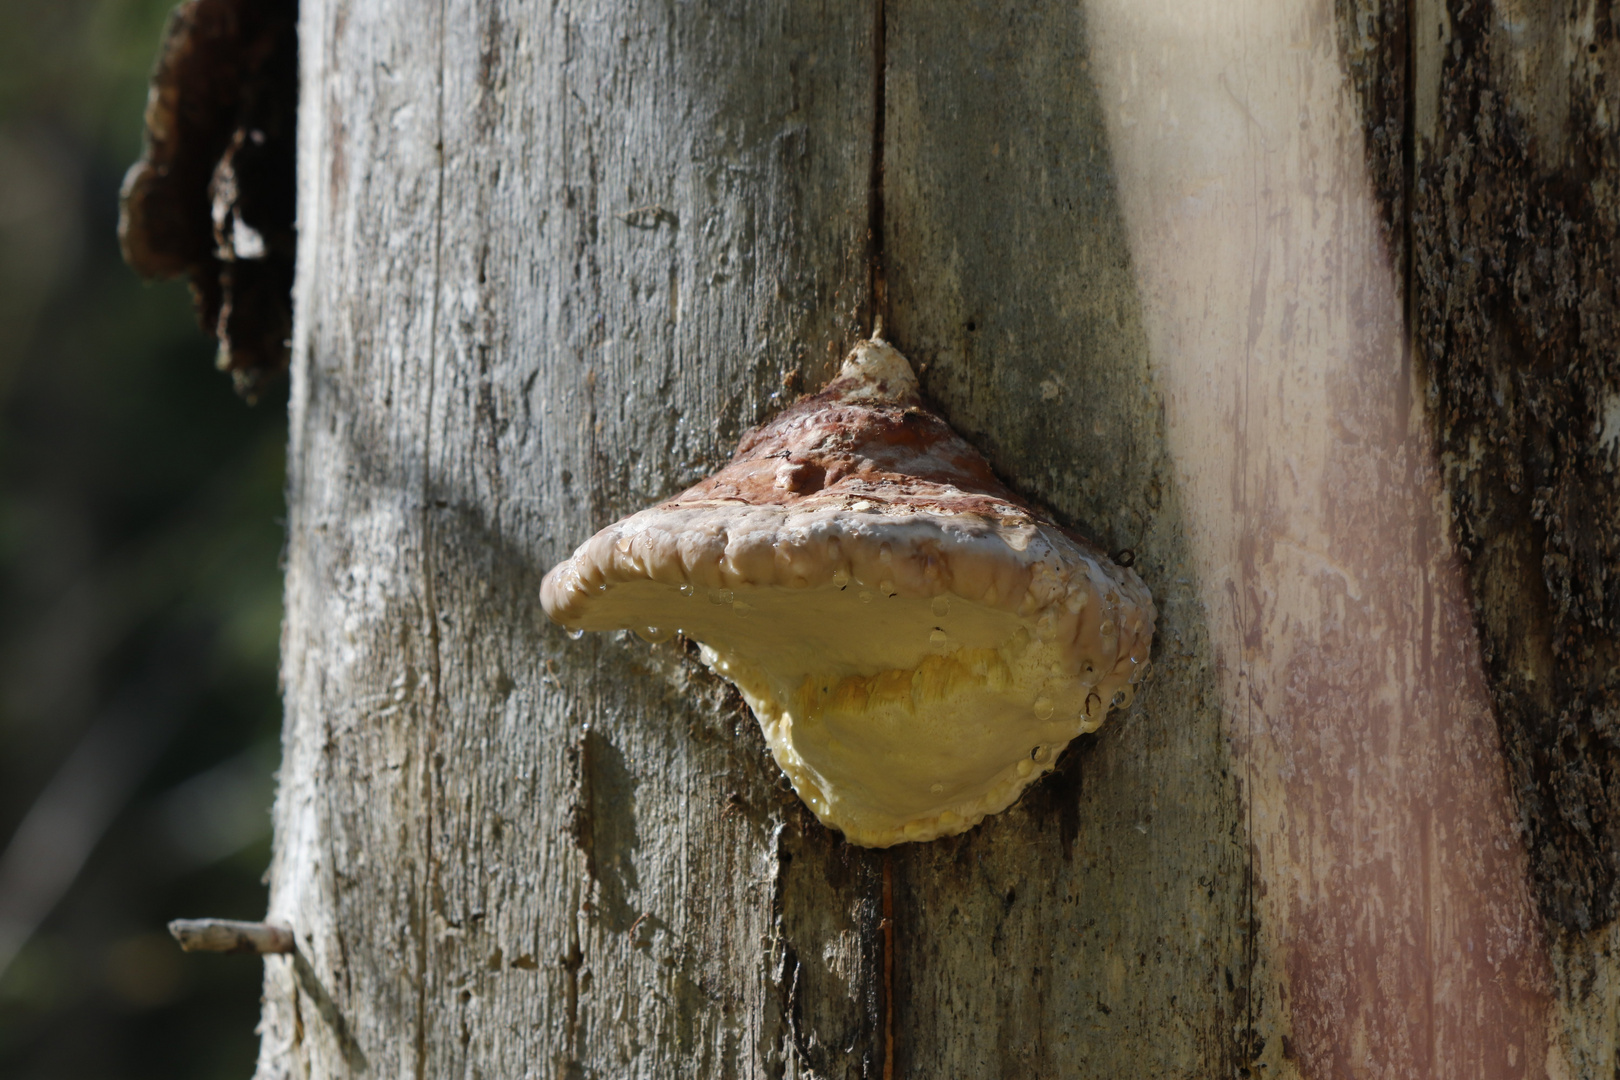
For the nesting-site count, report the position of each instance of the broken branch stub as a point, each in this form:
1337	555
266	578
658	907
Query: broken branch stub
231	936
917	642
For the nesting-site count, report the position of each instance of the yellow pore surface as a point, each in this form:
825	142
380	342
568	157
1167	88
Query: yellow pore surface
896	718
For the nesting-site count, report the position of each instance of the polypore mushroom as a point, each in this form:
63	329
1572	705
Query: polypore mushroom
917	642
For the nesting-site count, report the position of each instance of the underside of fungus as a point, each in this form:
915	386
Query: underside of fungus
917	642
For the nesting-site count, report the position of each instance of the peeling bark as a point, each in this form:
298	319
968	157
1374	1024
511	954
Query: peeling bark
212	197
1508	208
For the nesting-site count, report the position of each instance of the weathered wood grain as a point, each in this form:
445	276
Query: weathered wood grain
553	262
1516	231
1505	112
1098	928
1395	922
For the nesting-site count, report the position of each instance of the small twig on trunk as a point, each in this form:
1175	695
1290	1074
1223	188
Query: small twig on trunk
229	936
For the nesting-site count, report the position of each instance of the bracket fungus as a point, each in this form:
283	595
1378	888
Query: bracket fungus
917	642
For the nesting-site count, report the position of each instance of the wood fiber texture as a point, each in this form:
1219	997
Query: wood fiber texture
1392	932
551	271
552	263
1516	230
1159	261
1510	164
1097	928
1509	223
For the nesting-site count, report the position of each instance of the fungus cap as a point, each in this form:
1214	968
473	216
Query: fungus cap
917	643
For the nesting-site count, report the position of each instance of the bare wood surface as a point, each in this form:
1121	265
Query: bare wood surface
1097	929
553	263
1394	921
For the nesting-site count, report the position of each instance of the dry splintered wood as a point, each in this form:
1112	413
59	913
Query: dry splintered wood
231	936
553	262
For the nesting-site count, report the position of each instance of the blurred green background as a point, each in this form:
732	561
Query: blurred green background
140	595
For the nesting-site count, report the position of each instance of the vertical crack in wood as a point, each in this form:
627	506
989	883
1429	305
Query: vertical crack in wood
582	827
571	962
429	596
877	290
877	296
781	958
888	963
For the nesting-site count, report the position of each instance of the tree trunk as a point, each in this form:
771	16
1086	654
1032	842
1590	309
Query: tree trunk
1157	260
